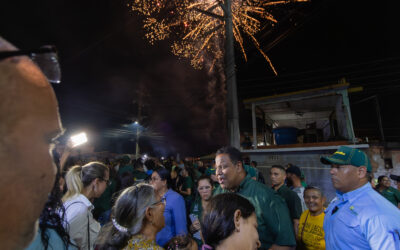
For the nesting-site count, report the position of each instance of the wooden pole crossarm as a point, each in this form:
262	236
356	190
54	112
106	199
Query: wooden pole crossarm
209	14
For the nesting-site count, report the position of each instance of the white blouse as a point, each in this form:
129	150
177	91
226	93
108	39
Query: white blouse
78	214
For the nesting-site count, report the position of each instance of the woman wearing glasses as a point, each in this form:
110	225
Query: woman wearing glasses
137	217
84	183
175	211
205	188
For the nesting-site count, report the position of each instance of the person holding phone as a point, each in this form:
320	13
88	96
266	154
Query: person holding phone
205	188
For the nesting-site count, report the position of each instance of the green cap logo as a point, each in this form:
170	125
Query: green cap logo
348	156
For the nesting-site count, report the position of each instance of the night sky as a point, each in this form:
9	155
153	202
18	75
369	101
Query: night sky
108	67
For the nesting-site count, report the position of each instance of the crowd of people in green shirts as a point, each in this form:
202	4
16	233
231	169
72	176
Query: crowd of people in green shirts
197	183
188	179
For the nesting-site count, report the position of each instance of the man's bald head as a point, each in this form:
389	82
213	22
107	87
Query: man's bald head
29	120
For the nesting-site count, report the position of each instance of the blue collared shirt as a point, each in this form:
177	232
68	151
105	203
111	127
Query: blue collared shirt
362	219
175	218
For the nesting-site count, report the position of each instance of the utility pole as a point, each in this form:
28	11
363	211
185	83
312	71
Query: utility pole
138	131
230	74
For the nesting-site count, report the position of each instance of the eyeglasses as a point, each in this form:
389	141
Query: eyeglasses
46	58
162	200
108	182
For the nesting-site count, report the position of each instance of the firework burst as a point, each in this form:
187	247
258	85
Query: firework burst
198	25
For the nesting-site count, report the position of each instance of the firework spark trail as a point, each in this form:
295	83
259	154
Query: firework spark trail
194	24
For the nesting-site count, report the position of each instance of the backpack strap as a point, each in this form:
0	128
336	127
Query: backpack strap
88	228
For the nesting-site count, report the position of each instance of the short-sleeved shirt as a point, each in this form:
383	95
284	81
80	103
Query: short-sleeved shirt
392	195
311	232
274	223
362	219
292	200
300	192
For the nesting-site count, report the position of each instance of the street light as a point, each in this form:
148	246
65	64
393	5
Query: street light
137	139
78	139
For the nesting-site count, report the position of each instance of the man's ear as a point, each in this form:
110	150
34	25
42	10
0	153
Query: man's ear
323	200
236	219
362	172
239	166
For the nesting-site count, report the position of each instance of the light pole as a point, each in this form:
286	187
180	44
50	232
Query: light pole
137	138
230	74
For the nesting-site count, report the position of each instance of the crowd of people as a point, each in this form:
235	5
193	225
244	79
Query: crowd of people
54	203
222	204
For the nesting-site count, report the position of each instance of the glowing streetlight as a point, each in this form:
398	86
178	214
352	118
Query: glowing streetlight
78	139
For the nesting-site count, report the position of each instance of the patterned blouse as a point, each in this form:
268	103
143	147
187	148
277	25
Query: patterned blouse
137	242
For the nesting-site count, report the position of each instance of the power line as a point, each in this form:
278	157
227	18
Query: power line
322	70
325	78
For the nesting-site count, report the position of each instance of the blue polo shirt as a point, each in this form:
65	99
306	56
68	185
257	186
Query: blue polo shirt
175	218
362	219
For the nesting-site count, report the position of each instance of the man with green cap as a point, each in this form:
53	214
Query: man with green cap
360	218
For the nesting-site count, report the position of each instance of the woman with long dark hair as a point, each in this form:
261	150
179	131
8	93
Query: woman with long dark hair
175	211
229	222
176	178
51	233
205	190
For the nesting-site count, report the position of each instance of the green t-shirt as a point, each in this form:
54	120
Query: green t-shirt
125	168
103	203
187	183
252	172
392	195
139	175
274	223
292	200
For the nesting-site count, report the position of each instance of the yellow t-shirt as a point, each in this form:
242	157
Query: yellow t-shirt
313	235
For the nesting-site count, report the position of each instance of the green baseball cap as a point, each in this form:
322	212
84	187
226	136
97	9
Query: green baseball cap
348	156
